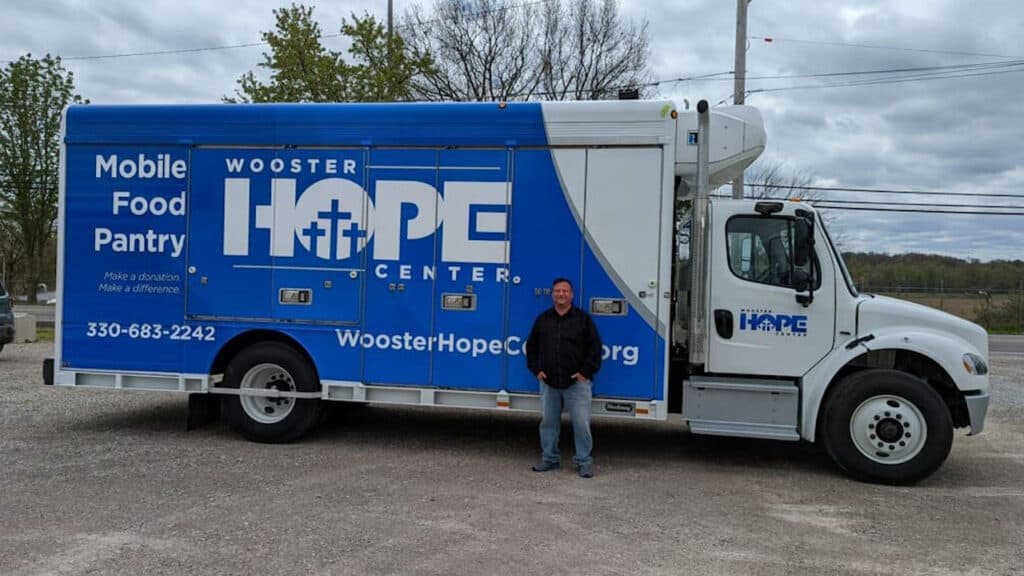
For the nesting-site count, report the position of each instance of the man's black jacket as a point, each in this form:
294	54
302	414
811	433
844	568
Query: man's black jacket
561	346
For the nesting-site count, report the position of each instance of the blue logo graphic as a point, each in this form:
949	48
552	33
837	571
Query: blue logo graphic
778	324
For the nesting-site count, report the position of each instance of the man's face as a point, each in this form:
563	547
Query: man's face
561	293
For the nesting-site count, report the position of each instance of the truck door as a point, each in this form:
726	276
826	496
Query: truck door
401	268
755	324
323	213
621	288
546	243
472	268
277	235
230	265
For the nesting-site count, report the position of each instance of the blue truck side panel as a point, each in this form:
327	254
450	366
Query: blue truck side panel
399	287
547	243
124	238
398	244
412	125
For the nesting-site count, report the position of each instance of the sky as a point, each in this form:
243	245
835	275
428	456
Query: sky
941	129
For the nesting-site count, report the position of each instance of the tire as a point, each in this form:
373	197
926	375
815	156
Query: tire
263	419
887	427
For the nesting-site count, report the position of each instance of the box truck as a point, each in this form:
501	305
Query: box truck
272	257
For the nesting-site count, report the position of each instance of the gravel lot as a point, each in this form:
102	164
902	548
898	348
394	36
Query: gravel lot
103	482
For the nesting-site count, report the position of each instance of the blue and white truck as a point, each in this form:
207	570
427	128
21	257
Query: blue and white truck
274	257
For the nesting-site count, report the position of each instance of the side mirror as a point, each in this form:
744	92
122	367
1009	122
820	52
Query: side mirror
803	248
801	243
801	281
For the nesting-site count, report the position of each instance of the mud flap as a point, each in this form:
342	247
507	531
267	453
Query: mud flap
203	409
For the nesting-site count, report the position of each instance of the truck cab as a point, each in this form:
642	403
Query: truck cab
772	339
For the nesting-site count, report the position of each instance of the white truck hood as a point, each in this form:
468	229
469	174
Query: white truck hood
877	312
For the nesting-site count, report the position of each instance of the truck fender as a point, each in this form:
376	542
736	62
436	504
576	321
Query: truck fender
815	384
944	350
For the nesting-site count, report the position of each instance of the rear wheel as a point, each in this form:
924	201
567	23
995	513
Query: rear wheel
887	426
271	366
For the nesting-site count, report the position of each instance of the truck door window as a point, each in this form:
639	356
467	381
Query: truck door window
761	249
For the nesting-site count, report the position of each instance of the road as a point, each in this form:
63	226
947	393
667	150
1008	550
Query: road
44	313
1005	344
108	482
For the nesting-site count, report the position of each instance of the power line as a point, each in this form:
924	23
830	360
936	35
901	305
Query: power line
906	204
949	68
263	43
920	211
867	206
881	81
879	47
882	191
161	52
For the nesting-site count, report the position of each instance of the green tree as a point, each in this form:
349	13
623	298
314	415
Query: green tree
33	95
302	70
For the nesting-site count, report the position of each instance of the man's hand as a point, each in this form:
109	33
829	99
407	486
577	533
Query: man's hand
542	376
580	377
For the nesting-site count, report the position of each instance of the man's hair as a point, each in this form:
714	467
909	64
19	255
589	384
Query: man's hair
566	280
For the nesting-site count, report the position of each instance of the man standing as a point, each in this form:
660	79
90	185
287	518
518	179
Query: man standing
564	352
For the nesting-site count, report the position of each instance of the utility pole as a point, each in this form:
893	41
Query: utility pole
391	11
391	27
740	75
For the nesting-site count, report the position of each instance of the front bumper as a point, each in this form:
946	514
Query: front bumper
977	408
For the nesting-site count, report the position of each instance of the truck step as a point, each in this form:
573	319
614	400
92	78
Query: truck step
736	406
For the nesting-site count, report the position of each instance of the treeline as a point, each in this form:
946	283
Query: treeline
930	272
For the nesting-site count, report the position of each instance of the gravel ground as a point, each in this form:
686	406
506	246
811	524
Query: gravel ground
104	482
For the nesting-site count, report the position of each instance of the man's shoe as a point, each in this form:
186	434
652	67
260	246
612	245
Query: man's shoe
586	470
546	466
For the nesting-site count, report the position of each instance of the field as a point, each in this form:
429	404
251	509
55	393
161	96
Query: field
968	306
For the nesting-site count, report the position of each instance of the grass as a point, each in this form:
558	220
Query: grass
44	334
1006	331
966	307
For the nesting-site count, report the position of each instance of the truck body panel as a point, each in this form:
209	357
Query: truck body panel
392	256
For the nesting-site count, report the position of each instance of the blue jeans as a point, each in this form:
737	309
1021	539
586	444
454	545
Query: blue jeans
576	399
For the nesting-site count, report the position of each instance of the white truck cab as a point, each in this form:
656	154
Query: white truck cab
779	343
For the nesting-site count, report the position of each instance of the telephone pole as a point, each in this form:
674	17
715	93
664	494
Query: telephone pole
391	11
740	75
391	27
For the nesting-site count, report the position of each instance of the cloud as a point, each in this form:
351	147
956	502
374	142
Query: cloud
956	134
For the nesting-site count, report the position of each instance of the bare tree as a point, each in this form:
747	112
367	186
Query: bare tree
589	53
482	50
775	179
485	50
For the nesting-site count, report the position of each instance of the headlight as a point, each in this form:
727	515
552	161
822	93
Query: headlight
975	364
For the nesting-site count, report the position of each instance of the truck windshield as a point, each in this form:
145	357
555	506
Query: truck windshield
842	263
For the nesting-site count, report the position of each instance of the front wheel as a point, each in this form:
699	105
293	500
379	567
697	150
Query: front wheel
266	366
888	427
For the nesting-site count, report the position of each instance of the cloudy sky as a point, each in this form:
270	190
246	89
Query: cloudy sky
951	122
